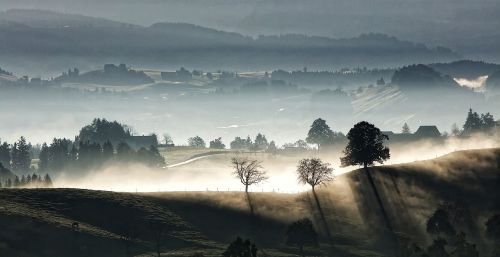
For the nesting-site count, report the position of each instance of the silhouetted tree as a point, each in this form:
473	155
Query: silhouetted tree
167	139
249	172
17	182
478	123
239	143
5	155
43	157
8	183
21	158
301	233
197	142
320	133
260	142
102	130
47	181
272	148
455	131
314	172
124	152
439	224
240	248
59	156
365	146
159	231
217	144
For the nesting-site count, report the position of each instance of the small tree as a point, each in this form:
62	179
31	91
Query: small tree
439	224
320	133
240	248
217	144
260	142
5	155
406	129
301	233
249	172
159	231
314	172
455	131
196	142
167	139
272	148
47	181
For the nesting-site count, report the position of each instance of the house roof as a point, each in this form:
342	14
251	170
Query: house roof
428	131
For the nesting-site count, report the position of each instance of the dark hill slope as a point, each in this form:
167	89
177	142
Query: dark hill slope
207	221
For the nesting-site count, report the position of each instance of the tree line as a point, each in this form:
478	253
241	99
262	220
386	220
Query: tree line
28	181
64	154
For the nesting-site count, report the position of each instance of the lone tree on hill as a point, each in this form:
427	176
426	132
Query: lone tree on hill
320	133
249	172
365	147
301	233
314	172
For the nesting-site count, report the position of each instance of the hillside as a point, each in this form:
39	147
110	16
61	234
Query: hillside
86	40
466	68
207	221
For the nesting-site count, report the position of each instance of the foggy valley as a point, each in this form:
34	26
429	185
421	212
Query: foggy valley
249	128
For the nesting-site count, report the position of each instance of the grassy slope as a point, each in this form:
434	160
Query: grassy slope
38	222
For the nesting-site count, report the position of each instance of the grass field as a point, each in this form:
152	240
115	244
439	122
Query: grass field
39	222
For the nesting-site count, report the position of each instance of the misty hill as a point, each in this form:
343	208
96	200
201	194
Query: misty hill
50	19
466	68
168	45
110	75
206	222
470	27
493	81
421	76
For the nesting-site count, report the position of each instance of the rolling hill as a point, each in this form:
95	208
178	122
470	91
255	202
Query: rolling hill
61	41
63	222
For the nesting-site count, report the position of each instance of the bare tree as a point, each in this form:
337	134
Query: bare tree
249	172
314	172
159	231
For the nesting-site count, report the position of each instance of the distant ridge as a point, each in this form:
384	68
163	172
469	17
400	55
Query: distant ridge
31	35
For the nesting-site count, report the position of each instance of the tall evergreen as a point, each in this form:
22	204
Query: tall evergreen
21	157
43	157
5	155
